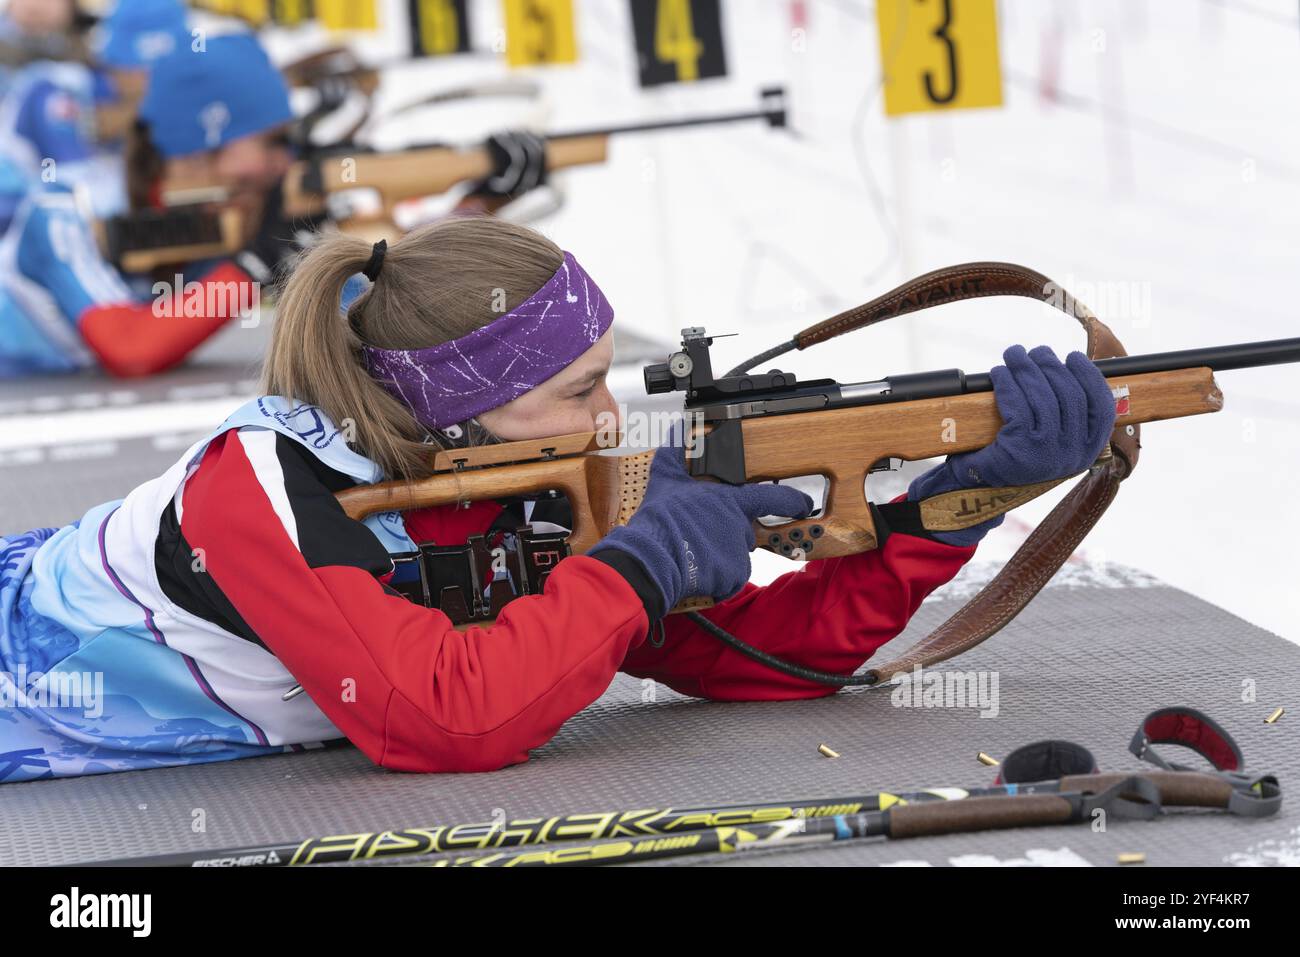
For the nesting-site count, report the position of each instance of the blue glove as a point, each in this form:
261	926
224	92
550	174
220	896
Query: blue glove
1057	417
693	537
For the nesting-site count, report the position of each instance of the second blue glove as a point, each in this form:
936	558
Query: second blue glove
1056	419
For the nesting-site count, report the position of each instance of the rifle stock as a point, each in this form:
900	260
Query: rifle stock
755	426
410	173
605	489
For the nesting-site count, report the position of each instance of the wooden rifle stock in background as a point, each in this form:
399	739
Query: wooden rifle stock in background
195	225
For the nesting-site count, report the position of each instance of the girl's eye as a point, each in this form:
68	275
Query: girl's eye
589	390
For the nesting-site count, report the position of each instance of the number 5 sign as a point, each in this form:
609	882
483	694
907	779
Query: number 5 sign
939	54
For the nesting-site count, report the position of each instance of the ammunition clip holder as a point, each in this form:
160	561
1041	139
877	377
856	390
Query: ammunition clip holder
460	580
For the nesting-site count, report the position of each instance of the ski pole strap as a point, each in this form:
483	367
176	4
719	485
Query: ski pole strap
1257	795
1187	728
1052	543
1253	795
1045	761
1135	798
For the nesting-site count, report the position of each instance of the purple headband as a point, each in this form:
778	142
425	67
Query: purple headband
457	380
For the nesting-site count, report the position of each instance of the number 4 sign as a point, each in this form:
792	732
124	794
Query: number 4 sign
939	54
678	41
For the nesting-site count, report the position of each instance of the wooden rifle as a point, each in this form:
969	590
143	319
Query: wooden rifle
751	427
192	224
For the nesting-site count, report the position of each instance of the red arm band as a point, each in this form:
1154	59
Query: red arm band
137	339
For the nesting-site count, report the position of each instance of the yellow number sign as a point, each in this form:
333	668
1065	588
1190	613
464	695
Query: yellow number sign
540	31
290	12
255	12
438	22
347	14
675	40
939	54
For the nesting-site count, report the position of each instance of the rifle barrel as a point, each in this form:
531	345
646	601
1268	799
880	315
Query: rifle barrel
941	383
1244	355
772	111
672	124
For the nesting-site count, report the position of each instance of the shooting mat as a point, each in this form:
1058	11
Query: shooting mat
1096	651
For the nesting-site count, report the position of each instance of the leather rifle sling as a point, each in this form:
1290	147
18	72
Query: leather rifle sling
1055	539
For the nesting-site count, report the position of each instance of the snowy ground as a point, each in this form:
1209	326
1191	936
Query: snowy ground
1146	151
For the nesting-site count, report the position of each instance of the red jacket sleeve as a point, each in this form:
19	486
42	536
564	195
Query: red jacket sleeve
830	615
406	687
137	339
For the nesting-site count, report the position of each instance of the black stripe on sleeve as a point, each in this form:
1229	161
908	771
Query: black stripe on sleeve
326	537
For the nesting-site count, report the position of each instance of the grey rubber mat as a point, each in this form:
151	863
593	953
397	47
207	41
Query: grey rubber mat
1086	661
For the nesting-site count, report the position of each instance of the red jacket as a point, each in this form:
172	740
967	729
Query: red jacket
415	694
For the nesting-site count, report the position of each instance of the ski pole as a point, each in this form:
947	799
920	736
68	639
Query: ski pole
1135	796
404	842
1071	799
664	822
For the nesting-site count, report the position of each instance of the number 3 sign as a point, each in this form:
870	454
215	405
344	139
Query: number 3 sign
939	54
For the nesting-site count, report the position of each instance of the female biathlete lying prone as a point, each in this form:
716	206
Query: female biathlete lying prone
219	116
207	594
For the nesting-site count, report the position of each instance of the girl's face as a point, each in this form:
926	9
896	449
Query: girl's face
569	401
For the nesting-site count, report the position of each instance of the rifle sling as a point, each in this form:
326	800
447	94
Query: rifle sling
1055	539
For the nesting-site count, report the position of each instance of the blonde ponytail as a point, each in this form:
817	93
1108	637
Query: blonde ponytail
437	283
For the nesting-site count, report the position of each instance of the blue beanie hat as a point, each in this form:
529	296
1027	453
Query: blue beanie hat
201	100
138	32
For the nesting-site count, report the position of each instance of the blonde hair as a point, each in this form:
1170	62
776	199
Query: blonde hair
437	283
